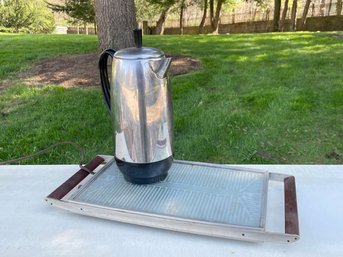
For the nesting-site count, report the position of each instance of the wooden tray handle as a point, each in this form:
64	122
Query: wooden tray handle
65	188
291	209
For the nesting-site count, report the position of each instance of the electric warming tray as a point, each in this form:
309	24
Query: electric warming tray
200	198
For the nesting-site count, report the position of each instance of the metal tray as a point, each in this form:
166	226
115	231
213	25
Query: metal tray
201	198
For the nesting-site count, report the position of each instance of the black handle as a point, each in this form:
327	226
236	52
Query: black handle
105	83
138	37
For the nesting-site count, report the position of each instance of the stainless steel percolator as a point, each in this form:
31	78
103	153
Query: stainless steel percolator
138	96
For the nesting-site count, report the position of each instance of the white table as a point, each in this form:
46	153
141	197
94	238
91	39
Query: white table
29	227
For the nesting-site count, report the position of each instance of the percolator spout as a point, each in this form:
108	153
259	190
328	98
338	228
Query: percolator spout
163	67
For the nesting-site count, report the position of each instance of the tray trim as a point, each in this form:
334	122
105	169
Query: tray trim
177	224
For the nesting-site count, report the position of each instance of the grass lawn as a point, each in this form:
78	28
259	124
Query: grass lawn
17	51
260	98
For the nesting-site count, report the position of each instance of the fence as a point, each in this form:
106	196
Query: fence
249	12
80	30
323	15
324	23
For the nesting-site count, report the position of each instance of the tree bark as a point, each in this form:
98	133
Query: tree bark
211	12
277	8
313	8
283	17
304	16
203	20
215	23
339	7
294	15
182	8
160	23
329	9
85	28
116	20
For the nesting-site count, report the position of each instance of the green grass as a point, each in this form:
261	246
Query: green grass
260	98
17	51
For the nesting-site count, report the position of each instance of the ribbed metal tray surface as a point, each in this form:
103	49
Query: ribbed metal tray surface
194	192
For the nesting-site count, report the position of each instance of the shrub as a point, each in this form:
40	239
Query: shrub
31	16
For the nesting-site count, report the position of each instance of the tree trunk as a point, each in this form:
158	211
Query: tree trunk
215	23
294	15
216	30
77	29
339	7
95	29
116	21
160	23
85	28
283	17
277	8
322	8
303	17
202	23
249	14
211	13
329	9
267	14
182	8
254	14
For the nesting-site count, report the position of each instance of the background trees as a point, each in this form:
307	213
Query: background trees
79	10
145	11
214	8
294	15
211	10
162	7
276	19
31	16
304	16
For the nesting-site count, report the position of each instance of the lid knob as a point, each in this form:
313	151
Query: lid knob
138	37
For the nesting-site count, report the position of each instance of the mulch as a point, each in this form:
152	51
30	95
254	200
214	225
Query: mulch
81	70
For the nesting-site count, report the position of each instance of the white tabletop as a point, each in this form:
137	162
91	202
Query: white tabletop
29	227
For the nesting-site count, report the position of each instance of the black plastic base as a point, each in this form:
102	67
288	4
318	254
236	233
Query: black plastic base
145	173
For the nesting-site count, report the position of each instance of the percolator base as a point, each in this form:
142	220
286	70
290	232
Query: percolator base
145	173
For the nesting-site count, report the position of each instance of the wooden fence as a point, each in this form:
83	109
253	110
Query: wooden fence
250	12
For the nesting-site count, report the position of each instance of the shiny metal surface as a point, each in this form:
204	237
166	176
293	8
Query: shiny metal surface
141	105
134	53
